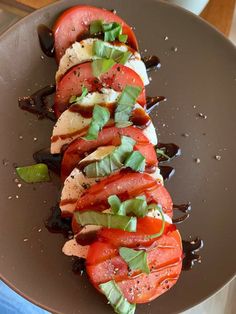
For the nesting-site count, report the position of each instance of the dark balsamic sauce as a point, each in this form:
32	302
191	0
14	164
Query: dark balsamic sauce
78	266
53	161
153	102
184	208
46	40
190	257
170	149
57	224
87	238
152	62
37	103
166	172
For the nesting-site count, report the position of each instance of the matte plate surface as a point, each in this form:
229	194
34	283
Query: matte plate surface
200	77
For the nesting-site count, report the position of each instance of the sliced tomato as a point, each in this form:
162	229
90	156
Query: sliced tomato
73	24
125	185
164	258
146	226
81	75
108	136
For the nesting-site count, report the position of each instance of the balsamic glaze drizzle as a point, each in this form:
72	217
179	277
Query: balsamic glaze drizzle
190	257
151	63
46	40
170	149
78	266
153	102
57	224
53	161
184	208
37	103
166	172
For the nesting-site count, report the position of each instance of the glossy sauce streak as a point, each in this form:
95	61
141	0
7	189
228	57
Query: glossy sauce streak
87	111
153	102
190	257
152	62
86	238
184	208
140	118
166	172
37	103
170	149
78	266
46	40
53	161
57	224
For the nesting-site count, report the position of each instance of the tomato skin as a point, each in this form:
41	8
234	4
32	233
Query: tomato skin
108	136
74	23
125	185
164	258
82	75
146	226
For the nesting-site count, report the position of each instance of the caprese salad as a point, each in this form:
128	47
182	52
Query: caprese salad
112	191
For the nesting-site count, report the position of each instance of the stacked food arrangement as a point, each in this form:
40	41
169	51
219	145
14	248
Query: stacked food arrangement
113	193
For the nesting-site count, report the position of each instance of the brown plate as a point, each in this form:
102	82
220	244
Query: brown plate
200	77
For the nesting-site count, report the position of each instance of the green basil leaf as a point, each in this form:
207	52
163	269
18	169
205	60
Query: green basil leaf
113	161
136	260
111	31
77	99
96	27
100	49
115	203
137	206
101	66
33	174
106	220
116	298
136	161
123	38
101	116
156	235
161	153
126	103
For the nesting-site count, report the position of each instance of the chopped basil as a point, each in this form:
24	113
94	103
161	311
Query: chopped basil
101	116
137	206
33	174
112	31
96	27
101	66
126	103
100	49
113	161
161	153
136	161
136	260
77	99
106	220
158	208
123	38
116	298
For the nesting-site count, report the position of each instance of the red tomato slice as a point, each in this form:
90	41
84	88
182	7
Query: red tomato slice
74	23
125	185
108	136
164	260
146	226
81	75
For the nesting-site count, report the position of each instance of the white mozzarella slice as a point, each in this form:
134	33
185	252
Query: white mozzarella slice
82	51
75	184
72	248
71	125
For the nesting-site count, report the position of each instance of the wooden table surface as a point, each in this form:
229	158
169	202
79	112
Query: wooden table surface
218	12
